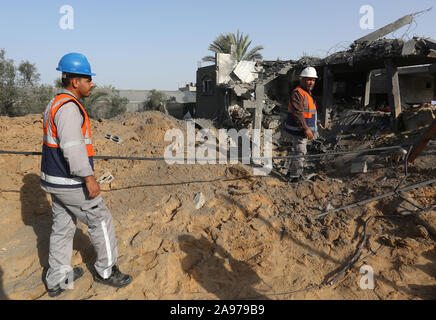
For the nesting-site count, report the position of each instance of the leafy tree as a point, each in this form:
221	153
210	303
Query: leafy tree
28	75
105	103
157	101
58	83
117	105
21	93
32	100
8	90
223	44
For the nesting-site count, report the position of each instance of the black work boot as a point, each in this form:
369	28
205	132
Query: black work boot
77	273
290	179
117	278
295	179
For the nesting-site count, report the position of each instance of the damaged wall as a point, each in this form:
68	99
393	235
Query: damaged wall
344	78
210	97
416	89
213	94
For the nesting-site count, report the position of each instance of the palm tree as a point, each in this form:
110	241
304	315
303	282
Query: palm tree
223	44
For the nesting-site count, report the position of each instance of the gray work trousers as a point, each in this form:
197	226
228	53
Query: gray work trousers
296	165
68	205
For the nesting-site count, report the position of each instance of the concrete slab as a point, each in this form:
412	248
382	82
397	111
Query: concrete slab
225	64
245	70
409	47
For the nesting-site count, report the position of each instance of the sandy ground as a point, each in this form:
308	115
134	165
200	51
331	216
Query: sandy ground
255	237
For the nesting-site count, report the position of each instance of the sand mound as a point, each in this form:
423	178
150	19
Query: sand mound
253	237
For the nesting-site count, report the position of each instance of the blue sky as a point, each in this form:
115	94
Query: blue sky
158	44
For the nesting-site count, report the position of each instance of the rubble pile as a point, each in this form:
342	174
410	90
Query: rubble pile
216	231
377	48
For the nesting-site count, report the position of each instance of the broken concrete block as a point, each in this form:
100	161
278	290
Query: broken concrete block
199	200
239	91
285	69
245	70
409	48
358	166
247	104
274	124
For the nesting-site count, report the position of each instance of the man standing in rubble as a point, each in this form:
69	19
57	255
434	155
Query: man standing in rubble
67	174
301	121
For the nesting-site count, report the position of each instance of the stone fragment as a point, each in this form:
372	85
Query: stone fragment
199	200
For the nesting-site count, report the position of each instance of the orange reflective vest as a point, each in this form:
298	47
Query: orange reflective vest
309	113
54	168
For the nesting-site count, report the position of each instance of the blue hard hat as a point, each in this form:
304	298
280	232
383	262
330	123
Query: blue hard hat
75	63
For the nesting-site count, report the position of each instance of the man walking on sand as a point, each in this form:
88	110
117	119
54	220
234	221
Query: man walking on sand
67	174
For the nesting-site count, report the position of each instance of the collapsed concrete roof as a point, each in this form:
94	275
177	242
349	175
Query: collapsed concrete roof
365	54
372	55
360	57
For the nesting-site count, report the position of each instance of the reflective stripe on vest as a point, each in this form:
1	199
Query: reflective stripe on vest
309	108
54	142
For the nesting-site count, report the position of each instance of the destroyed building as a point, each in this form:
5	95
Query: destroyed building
375	73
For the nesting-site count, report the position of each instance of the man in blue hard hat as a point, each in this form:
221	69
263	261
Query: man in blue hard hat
67	173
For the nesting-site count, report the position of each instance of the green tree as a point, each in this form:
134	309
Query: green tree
155	100
28	75
32	100
105	103
8	89
58	83
20	91
116	104
224	42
